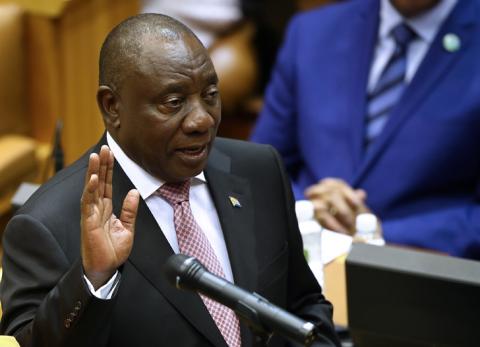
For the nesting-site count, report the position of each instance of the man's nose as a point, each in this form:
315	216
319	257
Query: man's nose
198	119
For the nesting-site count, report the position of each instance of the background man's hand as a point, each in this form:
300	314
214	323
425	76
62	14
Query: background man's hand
106	240
337	204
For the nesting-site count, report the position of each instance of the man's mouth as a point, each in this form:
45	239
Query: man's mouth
195	152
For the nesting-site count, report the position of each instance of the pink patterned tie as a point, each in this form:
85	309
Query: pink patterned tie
192	241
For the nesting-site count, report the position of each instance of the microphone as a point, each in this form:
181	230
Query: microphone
188	273
57	147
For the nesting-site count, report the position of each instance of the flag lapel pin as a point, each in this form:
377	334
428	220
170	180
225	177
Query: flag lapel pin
234	201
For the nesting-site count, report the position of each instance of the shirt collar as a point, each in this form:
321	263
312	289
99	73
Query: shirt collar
425	25
145	183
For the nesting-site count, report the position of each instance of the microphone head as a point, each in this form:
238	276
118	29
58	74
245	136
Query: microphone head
181	269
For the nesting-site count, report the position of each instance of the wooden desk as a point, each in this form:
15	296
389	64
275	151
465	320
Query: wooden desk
335	289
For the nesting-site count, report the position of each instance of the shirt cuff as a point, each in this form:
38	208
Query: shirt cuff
105	292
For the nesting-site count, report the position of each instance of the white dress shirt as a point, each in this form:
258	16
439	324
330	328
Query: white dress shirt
201	204
426	27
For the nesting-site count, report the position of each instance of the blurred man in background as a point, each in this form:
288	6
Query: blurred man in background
374	105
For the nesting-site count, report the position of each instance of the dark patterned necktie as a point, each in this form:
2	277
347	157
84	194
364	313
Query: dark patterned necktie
390	86
193	242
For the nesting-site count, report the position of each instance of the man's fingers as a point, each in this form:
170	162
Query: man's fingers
315	191
93	167
129	210
329	189
349	194
102	171
104	162
352	198
323	214
109	176
339	209
325	187
361	194
329	222
90	190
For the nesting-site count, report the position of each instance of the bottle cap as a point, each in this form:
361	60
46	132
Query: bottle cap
304	210
366	223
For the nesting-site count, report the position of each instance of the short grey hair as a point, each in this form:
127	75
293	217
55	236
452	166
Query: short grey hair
124	44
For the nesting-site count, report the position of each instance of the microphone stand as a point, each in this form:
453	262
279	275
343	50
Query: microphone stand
261	333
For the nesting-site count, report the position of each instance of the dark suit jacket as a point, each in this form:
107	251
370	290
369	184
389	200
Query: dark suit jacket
43	282
422	173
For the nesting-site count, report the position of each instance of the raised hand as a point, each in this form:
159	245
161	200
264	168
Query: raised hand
337	204
106	240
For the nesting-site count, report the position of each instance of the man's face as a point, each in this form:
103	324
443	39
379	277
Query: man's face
169	109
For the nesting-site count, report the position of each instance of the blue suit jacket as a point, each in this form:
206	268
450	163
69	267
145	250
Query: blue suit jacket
422	174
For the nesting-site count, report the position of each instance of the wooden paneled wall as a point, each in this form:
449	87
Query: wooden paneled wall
12	75
63	70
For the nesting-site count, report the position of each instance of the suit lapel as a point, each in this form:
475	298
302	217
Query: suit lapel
431	71
150	251
235	220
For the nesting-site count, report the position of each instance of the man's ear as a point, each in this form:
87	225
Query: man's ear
108	103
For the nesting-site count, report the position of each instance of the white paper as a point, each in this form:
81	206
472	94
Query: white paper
334	245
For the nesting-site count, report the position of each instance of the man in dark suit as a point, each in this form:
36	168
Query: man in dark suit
374	105
81	268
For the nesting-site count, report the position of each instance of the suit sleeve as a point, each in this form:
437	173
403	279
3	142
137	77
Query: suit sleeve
305	297
277	123
453	230
44	297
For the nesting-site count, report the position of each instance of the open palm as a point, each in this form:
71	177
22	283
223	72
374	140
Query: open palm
107	240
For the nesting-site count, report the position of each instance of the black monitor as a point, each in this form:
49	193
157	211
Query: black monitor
399	297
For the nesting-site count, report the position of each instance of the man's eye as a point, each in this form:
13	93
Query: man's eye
211	95
173	103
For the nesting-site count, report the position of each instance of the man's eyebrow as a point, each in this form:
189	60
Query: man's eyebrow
212	78
175	87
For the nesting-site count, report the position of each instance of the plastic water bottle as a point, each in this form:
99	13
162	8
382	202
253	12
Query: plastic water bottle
367	231
311	232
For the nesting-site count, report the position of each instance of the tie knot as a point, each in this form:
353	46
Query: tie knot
175	193
403	34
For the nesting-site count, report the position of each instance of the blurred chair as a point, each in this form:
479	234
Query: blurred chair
21	157
243	57
234	58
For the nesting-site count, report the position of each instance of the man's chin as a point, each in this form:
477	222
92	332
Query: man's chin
186	172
